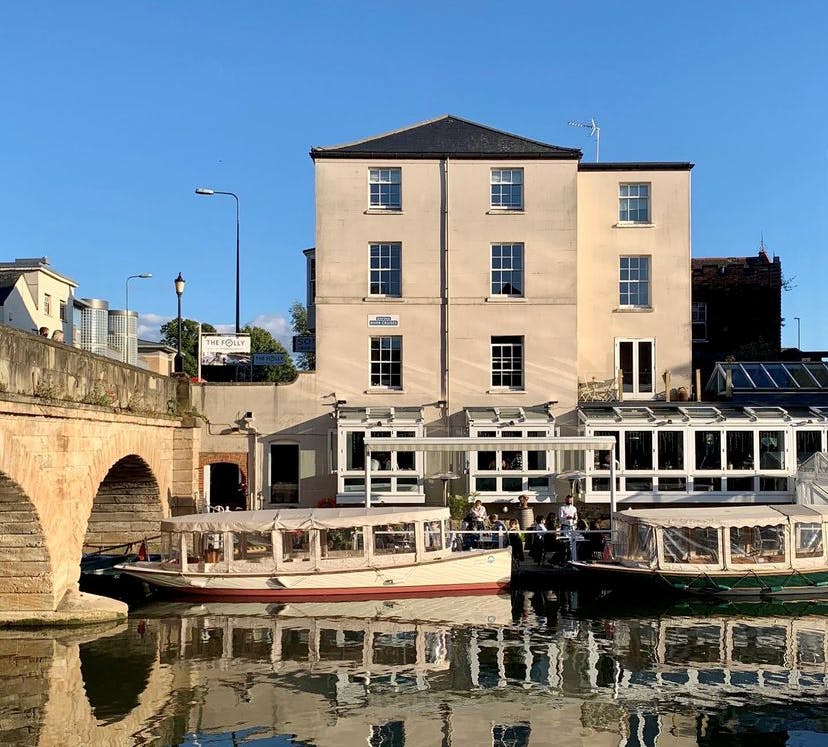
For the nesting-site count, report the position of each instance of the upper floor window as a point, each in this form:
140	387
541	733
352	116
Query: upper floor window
385	270
386	362
47	304
507	362
634	281
507	269
385	188
699	320
507	189
634	203
63	316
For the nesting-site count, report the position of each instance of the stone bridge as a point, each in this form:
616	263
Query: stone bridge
92	453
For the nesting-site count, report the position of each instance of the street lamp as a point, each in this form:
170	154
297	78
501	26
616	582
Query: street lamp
142	276
179	291
798	336
209	193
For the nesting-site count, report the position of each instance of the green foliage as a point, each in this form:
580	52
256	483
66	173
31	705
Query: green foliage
261	341
189	340
299	322
458	506
45	389
98	396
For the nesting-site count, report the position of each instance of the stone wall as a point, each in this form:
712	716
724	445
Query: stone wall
54	372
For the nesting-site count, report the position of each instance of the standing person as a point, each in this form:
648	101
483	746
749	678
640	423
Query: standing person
525	516
499	530
568	515
538	540
516	541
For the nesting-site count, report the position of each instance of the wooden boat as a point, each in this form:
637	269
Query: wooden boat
328	553
751	551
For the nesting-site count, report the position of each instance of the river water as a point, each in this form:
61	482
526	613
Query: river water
533	668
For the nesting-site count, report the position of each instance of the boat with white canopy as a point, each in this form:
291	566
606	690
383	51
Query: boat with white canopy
319	553
765	551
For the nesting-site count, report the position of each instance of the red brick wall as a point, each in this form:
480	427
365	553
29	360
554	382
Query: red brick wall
217	457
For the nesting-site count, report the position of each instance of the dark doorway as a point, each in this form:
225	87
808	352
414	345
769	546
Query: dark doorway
227	487
284	473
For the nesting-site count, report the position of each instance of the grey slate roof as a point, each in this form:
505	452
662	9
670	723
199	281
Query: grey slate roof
448	136
7	282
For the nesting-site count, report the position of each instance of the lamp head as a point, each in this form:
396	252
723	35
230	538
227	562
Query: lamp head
179	285
145	275
204	191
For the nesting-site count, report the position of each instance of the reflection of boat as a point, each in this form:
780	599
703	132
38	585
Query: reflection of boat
754	551
329	553
489	610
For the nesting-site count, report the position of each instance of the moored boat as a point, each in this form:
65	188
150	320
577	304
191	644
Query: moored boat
750	551
334	553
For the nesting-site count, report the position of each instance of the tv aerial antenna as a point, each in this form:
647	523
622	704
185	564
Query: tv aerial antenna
594	131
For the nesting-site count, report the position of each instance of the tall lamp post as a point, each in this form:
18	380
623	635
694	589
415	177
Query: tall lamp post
798	336
179	291
142	276
209	193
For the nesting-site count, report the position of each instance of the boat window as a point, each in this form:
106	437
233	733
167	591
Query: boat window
708	450
754	545
433	535
670	450
808	540
170	547
636	542
602	459
212	544
771	450
345	542
295	546
696	545
808	443
638	450
390	539
739	449
256	547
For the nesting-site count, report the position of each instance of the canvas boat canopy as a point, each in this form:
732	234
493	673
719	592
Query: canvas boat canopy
293	519
472	443
728	516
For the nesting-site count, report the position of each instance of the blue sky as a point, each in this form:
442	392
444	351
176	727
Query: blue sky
112	113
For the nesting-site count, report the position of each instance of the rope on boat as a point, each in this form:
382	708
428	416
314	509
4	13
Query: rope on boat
127	545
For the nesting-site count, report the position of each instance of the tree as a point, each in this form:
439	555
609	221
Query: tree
299	322
189	340
261	341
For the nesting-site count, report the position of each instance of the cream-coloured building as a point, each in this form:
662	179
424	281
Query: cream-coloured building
466	281
33	297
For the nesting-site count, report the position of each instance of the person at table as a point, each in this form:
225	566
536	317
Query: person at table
567	515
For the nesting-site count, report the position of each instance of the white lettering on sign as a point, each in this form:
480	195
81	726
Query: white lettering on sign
225	344
383	320
304	344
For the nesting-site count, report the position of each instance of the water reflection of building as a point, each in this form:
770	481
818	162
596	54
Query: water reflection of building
381	679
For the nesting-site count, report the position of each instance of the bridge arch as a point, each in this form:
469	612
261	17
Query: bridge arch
25	563
127	506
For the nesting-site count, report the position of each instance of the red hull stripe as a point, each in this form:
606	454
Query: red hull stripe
359	592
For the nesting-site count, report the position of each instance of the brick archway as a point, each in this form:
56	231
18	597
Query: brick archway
238	459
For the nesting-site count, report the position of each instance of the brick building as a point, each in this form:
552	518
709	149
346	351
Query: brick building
736	309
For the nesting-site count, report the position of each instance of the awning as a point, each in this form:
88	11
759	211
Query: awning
726	516
468	443
292	519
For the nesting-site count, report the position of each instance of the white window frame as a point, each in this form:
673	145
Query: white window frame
47	304
381	362
513	247
505	176
394	474
625	201
383	271
545	430
512	371
380	177
636	392
638	283
698	315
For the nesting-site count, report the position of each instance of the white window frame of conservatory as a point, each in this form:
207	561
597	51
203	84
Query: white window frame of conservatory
342	471
524	474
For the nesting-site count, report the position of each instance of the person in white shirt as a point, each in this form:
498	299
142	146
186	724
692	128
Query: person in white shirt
567	515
